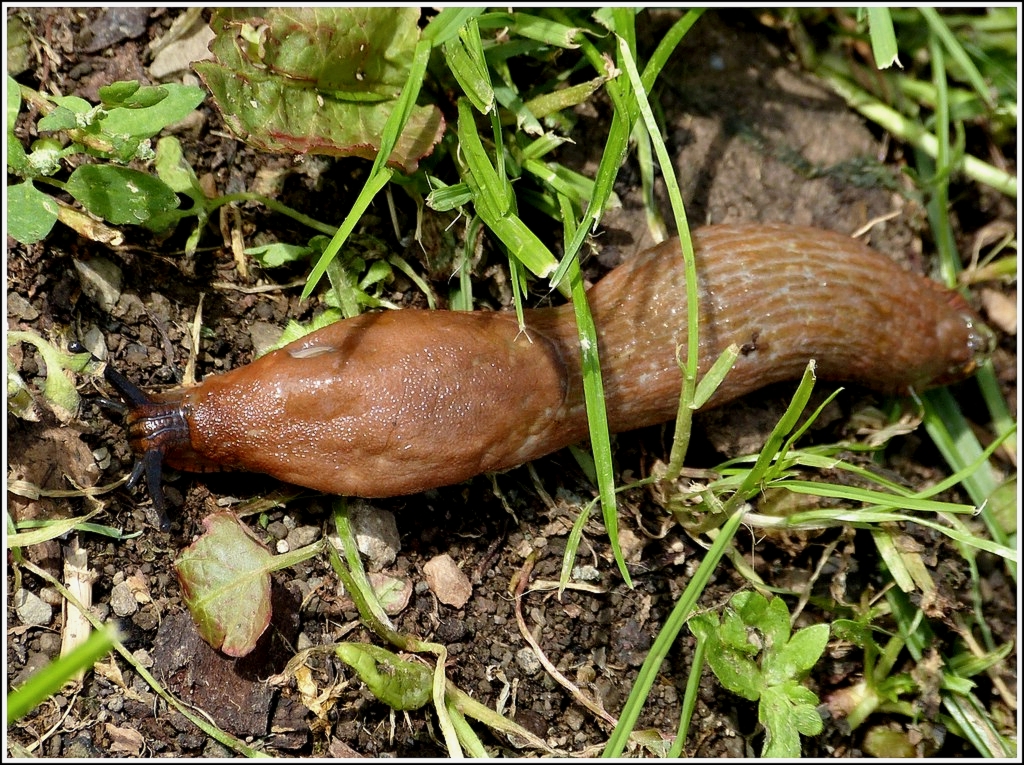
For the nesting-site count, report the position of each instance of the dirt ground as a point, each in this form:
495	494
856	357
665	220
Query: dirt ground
755	140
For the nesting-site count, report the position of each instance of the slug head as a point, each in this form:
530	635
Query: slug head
968	342
154	429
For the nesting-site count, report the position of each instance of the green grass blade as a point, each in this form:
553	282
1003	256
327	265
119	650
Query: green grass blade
913	133
379	173
883	37
447	23
956	50
667	636
48	680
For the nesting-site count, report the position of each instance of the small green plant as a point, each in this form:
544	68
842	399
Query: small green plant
754	654
931	674
116	131
59	392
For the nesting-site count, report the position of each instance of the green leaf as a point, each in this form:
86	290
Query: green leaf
802	651
855	632
225	582
59	389
21	45
71	113
30	213
280	92
446	24
359	54
734	633
883	37
294	330
118	93
13	103
752	608
774	625
270	115
151	110
776	712
735	670
449	197
564	98
121	195
16	159
495	202
279	253
786	708
801	696
534	28
349	278
60	118
465	57
402	685
174	170
704	627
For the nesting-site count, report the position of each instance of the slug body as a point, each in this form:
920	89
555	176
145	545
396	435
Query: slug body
402	401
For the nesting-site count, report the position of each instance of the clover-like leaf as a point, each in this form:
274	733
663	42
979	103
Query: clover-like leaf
798	655
30	213
777	713
225	580
773	621
121	195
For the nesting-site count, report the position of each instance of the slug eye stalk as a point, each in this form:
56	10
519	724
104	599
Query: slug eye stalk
152	428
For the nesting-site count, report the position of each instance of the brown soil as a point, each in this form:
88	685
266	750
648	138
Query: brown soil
756	139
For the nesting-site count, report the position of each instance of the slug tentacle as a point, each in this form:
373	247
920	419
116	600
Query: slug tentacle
153	429
139	408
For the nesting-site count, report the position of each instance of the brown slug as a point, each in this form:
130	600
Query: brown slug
402	401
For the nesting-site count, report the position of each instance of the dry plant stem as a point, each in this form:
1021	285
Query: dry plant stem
562	680
78	578
56	726
805	593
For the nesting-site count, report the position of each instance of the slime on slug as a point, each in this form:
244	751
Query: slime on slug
399	402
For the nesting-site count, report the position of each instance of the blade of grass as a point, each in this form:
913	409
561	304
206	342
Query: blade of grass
494	201
465	57
956	50
51	677
667	636
597	414
380	174
883	38
447	23
951	433
533	27
752	482
684	419
689	699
